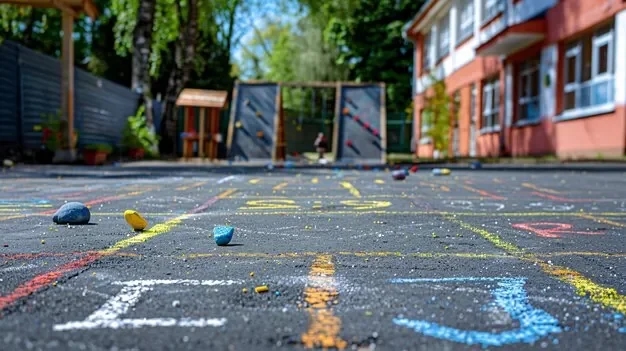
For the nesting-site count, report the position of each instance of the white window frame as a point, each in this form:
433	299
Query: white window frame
424	129
490	106
525	98
426	46
491	9
575	50
465	28
443	37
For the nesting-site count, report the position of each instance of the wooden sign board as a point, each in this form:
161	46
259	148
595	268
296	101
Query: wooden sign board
202	98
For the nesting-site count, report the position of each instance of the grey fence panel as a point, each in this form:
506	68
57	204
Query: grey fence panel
255	112
41	93
9	94
101	109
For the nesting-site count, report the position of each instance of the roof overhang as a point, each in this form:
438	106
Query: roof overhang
73	7
418	22
513	38
202	98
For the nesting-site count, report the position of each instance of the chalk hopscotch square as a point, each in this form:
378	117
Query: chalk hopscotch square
509	295
110	314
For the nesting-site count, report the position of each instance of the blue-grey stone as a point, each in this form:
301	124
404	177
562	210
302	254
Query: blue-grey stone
223	234
72	213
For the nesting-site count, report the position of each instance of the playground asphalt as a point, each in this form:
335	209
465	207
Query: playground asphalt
352	259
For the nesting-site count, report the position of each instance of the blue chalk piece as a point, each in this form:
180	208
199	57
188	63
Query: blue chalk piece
72	213
476	165
510	295
223	234
406	171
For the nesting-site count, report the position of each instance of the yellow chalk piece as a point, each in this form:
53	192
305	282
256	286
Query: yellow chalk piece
379	181
252	274
445	171
262	289
244	290
134	219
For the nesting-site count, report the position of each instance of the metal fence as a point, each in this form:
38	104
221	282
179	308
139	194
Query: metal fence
30	90
399	133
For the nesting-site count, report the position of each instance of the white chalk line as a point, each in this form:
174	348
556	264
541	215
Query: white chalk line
108	315
18	268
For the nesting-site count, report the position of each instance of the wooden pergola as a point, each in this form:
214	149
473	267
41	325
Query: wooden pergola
71	9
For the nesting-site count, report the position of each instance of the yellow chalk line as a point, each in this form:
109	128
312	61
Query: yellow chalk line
191	186
254	181
468	255
320	294
354	191
534	187
297	209
601	220
606	296
154	231
280	186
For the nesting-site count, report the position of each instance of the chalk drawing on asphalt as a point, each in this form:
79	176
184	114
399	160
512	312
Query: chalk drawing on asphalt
509	295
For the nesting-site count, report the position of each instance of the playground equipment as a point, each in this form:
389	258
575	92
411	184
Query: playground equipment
257	128
197	128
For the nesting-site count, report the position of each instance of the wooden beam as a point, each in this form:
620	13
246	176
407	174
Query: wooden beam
65	8
309	84
67	74
338	118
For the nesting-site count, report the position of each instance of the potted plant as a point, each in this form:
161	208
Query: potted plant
96	154
53	136
138	138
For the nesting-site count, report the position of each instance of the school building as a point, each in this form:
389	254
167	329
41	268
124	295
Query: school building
529	77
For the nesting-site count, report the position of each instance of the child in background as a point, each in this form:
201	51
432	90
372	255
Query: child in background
321	144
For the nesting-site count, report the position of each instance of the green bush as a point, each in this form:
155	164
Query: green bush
137	135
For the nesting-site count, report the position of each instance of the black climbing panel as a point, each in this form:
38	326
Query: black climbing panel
362	125
253	121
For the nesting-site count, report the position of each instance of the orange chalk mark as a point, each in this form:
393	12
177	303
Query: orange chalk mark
320	294
484	193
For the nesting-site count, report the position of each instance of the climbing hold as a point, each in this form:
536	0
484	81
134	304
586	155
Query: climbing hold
346	111
441	171
134	219
223	234
349	143
247	102
238	124
259	134
262	289
476	165
366	125
356	118
398	175
258	113
375	132
72	213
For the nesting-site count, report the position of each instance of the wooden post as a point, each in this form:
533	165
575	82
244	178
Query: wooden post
338	119
67	82
201	132
184	138
383	122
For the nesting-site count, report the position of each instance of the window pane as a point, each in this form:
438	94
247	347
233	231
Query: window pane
585	96
524	86
601	92
586	60
570	100
603	59
570	69
534	83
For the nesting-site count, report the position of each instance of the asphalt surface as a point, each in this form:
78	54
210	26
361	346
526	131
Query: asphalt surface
513	260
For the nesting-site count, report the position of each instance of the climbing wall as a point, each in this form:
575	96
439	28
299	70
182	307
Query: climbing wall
252	122
362	124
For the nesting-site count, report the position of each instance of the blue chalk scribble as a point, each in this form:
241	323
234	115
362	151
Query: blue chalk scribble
510	296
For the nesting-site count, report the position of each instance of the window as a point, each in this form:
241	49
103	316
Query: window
528	93
465	21
491	9
443	37
491	103
589	71
426	51
426	124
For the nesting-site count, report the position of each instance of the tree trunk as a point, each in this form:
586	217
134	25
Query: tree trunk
184	55
142	38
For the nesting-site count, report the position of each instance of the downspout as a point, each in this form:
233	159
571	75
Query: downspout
504	127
